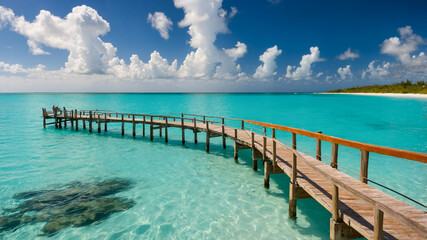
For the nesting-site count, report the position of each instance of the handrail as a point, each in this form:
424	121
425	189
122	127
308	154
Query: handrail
355	191
410	155
415	156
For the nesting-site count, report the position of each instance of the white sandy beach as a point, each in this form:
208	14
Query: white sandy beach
404	95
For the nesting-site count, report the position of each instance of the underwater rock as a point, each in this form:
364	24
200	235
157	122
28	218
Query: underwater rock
77	204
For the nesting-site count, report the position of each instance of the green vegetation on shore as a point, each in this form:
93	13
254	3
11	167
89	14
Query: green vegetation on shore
402	87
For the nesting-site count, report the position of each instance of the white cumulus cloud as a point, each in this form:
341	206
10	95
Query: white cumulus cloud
237	52
267	69
160	22
205	19
345	72
379	71
304	70
348	54
402	48
79	33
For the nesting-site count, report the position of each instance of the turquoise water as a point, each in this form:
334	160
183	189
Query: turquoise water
181	192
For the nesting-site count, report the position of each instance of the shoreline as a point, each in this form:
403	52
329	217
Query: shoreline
402	95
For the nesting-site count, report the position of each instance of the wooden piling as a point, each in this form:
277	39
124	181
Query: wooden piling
99	123
267	164
151	128
65	117
133	126
90	121
195	130
236	150
143	127
319	148
77	120
182	129
293	184
243	125
166	129
208	137
364	161
105	122
123	125
254	158
44	117
223	134
72	118
84	121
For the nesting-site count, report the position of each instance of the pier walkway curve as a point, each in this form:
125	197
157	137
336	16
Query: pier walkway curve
358	209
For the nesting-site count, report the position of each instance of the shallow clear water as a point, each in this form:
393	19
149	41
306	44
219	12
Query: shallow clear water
182	192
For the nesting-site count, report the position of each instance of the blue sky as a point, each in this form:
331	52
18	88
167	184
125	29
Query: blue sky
88	45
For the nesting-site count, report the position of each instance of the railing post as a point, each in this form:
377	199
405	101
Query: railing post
123	125
182	129
273	136
364	161
204	119
223	134
319	148
236	150
195	130
378	224
207	137
77	120
265	131
133	126
166	129
151	128
105	123
292	187
254	159
334	155
90	121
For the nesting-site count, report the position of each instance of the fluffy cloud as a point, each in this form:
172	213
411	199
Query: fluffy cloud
304	70
402	48
378	71
157	67
345	72
237	52
268	58
348	55
160	22
79	33
18	68
6	16
205	19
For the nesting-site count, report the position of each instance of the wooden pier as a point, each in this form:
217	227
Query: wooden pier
358	209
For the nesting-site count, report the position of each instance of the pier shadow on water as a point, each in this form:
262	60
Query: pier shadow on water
75	204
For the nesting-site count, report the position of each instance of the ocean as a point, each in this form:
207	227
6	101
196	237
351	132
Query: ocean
182	192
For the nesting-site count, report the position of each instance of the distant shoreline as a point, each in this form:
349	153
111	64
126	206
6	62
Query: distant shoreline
402	95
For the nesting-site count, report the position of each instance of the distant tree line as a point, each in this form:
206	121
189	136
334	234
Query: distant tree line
402	87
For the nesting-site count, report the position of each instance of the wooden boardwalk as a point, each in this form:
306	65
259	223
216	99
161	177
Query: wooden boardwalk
358	209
